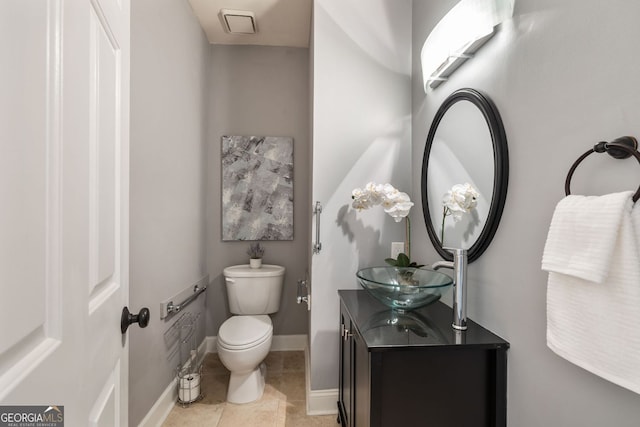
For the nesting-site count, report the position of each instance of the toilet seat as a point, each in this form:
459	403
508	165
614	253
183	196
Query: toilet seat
243	332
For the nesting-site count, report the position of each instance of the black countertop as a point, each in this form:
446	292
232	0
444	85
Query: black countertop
383	329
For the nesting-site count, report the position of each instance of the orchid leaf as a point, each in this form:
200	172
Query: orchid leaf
402	261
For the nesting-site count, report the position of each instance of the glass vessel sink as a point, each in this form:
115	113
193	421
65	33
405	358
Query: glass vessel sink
404	288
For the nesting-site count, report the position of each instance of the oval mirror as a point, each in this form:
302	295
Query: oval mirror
466	144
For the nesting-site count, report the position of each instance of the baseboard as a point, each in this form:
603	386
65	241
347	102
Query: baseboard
202	350
322	402
163	406
319	402
209	345
289	343
279	343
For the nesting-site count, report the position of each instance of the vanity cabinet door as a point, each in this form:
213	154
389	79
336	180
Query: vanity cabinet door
361	367
345	402
354	388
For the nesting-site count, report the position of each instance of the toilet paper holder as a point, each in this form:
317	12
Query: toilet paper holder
189	369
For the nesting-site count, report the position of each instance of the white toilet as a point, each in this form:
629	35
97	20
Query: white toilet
244	339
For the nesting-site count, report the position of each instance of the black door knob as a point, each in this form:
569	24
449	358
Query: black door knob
142	318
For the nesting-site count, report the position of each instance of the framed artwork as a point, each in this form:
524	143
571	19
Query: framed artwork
257	188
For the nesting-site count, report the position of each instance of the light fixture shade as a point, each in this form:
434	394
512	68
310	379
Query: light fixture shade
461	32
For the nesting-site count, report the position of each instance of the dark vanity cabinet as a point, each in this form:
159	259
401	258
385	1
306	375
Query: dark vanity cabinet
412	369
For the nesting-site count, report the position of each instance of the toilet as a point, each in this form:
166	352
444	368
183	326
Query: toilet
244	340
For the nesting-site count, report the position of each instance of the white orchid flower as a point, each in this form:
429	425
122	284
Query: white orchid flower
373	193
361	204
399	210
357	193
359	199
461	199
395	203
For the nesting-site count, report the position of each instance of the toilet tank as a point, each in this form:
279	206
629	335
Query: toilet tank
253	291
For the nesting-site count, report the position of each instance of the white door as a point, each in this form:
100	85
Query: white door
64	147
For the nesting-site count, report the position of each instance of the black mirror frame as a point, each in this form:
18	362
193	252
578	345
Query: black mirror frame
500	170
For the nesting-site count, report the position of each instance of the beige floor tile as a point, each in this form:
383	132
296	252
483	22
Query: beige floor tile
272	392
274	362
256	414
283	403
293	361
195	415
213	365
297	417
281	417
293	386
214	388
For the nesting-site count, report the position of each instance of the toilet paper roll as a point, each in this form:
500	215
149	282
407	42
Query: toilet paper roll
189	388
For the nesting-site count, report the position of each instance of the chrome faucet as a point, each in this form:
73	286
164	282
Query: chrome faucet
459	267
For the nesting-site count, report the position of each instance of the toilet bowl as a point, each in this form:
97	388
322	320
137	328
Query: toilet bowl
244	340
243	343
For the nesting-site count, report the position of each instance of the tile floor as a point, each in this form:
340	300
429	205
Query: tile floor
282	405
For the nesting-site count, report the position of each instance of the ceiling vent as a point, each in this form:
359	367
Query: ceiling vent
238	21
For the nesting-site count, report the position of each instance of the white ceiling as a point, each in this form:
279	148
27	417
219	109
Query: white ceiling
280	22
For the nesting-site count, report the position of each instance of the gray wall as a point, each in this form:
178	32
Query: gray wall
257	90
169	60
361	133
564	75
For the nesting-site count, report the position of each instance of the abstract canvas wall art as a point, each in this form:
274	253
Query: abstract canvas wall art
257	188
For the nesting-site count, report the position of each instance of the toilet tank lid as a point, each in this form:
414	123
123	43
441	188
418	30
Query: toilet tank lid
266	270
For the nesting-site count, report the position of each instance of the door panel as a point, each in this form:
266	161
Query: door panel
106	409
104	141
30	188
64	126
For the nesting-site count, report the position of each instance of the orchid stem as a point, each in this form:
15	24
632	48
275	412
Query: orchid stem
407	240
444	215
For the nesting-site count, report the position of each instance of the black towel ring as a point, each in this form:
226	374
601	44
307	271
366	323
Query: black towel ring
620	148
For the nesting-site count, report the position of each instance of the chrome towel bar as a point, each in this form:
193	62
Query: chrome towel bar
187	296
172	308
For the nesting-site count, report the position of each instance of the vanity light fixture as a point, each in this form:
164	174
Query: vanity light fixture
458	35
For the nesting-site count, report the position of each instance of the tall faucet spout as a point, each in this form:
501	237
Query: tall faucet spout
459	266
442	264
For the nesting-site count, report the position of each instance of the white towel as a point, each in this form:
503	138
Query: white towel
583	234
595	325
